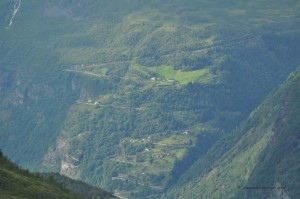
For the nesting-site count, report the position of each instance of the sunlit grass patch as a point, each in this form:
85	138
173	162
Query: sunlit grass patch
183	77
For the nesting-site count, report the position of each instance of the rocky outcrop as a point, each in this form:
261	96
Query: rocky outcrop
63	159
279	192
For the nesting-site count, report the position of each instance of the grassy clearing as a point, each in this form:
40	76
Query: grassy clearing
183	77
99	70
177	140
139	68
168	74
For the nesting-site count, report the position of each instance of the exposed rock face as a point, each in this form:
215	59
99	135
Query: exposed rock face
69	169
278	192
280	122
16	98
63	159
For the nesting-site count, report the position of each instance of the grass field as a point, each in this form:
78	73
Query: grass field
169	74
183	77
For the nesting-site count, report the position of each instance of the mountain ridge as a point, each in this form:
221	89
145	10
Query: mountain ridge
256	152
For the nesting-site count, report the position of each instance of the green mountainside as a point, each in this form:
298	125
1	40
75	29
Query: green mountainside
128	94
16	183
260	159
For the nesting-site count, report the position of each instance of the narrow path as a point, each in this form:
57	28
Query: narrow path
86	73
113	106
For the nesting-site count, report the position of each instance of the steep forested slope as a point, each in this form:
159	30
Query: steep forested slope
258	160
17	183
128	94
